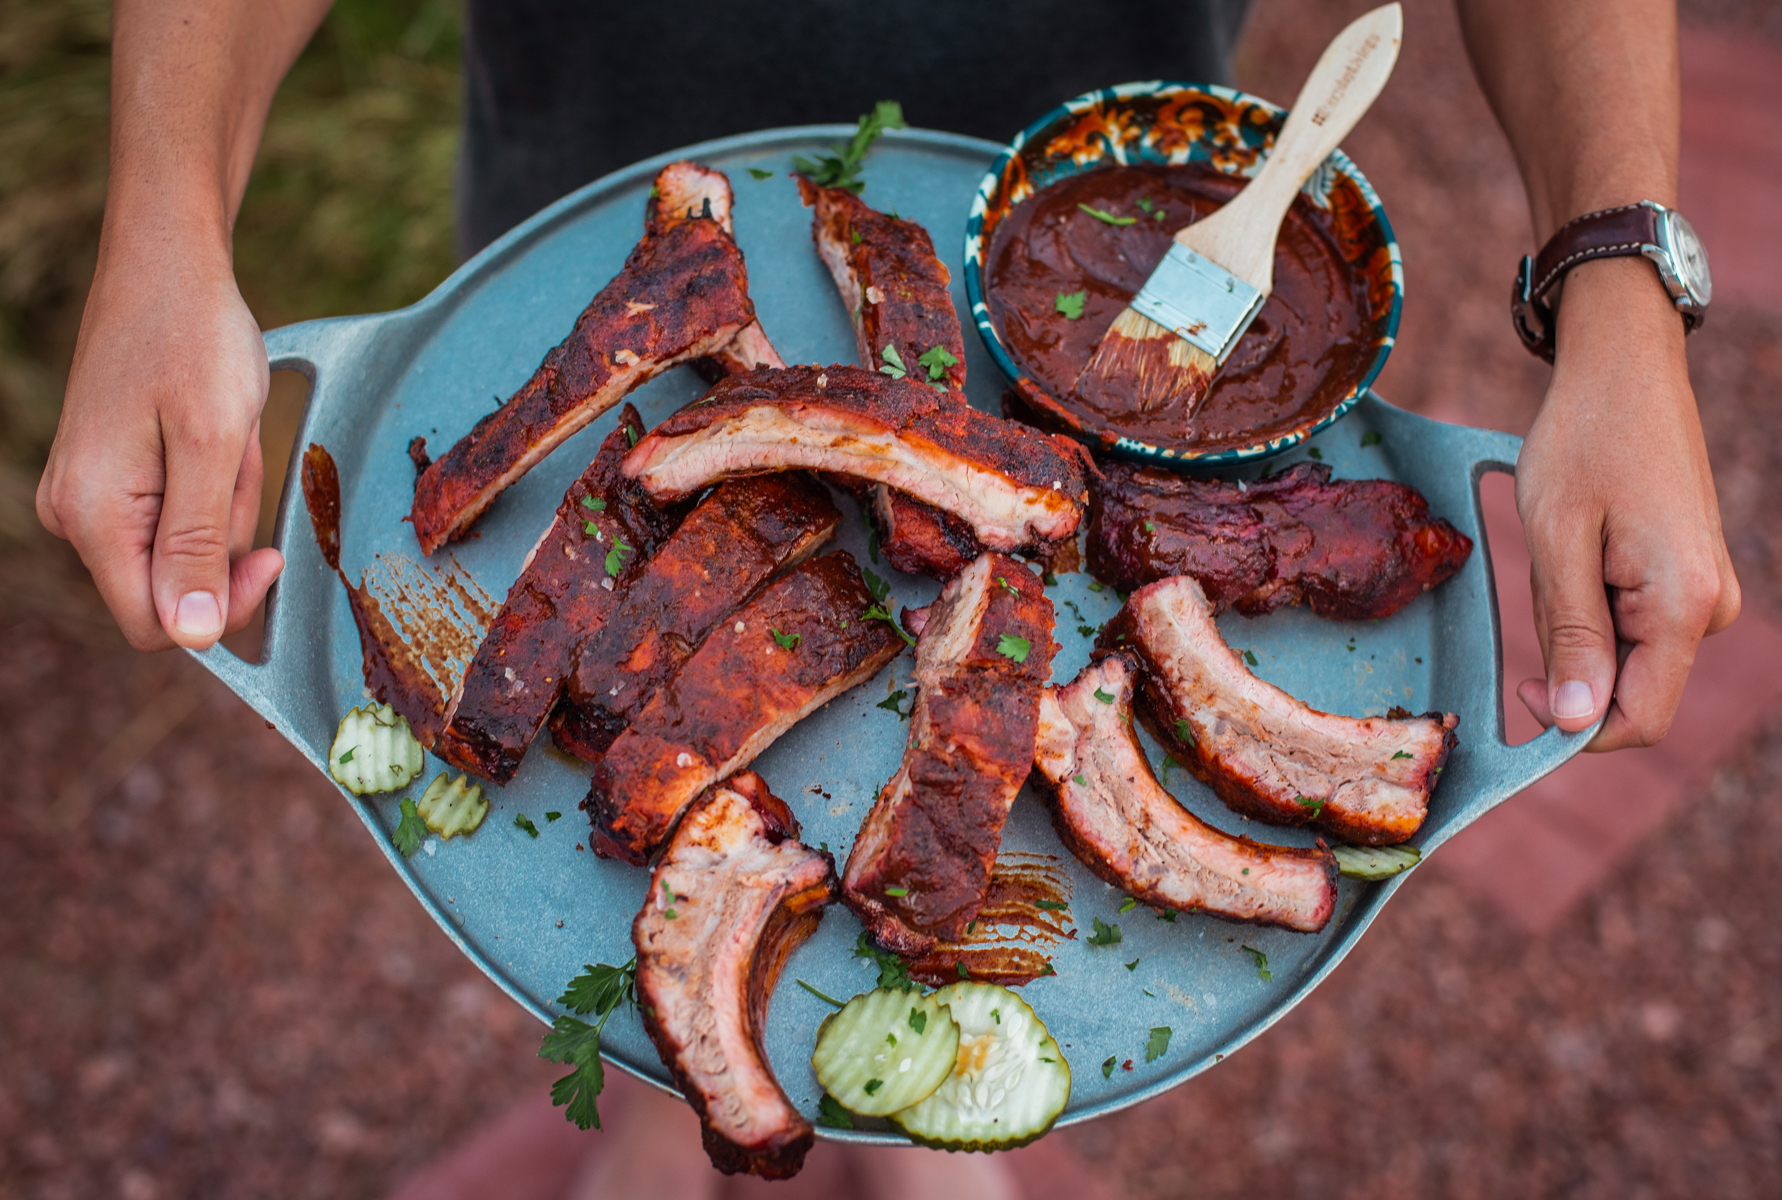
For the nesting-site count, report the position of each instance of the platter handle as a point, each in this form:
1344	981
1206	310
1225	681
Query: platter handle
313	349
1504	770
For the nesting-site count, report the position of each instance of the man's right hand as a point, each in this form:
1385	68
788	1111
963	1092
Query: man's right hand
155	472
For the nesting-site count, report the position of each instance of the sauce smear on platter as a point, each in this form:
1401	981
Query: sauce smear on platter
1308	346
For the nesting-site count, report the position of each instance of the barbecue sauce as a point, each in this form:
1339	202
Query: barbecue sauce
1007	941
1308	346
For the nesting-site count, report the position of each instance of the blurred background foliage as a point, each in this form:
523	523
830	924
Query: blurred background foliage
349	208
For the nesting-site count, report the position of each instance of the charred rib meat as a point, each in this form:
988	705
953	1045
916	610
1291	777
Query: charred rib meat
921	865
1113	814
1351	549
682	293
1014	487
738	538
1266	754
562	595
733	896
796	645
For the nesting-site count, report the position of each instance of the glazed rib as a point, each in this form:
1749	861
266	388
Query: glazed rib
682	293
1266	754
562	595
739	537
897	295
738	693
920	867
1119	821
1351	549
733	896
1014	487
686	191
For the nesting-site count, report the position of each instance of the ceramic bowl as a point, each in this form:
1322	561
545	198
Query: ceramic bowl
1175	123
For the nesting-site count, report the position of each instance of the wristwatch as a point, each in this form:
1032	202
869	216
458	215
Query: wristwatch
1647	228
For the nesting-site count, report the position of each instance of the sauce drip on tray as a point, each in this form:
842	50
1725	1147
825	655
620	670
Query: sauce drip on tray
1306	349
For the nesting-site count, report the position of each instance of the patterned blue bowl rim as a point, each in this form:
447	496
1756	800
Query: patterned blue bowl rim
1131	447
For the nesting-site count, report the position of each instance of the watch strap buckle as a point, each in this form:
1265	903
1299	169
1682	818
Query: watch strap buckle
1531	315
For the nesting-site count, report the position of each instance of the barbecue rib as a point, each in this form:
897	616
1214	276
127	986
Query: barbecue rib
1266	754
1116	818
739	537
1353	549
919	869
791	649
686	191
682	293
562	595
897	295
734	895
1014	487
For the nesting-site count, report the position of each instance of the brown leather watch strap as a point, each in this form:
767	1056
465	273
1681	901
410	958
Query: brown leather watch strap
1611	233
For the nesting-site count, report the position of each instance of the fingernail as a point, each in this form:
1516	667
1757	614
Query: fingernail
1572	699
198	615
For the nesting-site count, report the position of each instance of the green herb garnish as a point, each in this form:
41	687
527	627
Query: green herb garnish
1107	1068
918	1020
1071	304
827	999
892	971
1010	646
937	359
1104	934
1157	1045
522	821
1103	696
410	831
758	173
898	892
615	558
594	502
599	989
785	641
894	703
1051	905
1109	217
1371	438
1261	959
893	362
842	167
1395	754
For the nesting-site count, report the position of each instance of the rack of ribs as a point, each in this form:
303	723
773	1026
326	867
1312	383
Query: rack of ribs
920	867
897	295
733	896
1353	549
1016	489
798	644
739	537
1264	753
1119	821
682	294
562	595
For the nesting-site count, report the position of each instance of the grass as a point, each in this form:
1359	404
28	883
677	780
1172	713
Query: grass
349	208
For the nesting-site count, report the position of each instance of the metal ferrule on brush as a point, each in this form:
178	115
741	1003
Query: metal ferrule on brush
1199	301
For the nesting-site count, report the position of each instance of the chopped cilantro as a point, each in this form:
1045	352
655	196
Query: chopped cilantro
1316	806
1157	1045
1185	732
819	995
855	235
892	971
1071	304
1107	1068
553	816
615	558
1086	630
879	589
918	1020
896	891
876	612
893	362
1103	696
599	990
1010	646
1133	965
996	1015
1262	972
894	703
1371	438
873	1086
1316	453
589	529
594	502
937	359
785	641
1163	772
1128	904
832	1115
1010	588
758	173
1051	905
1250	657
1109	217
842	167
1168	914
522	821
1095	586
1145	205
1395	754
410	831
631	434
347	756
1150	527
1104	934
1081	782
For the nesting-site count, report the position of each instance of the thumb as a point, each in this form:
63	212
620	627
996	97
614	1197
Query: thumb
1576	629
189	571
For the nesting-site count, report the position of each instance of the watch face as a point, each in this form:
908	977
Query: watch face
1691	259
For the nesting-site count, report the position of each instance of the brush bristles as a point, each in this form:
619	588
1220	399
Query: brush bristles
1157	367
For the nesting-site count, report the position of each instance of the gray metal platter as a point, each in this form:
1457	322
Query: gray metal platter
531	911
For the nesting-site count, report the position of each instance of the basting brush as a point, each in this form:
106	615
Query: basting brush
1166	346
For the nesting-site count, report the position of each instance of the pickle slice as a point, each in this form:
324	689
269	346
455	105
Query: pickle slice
452	808
1376	862
374	751
1009	1081
885	1050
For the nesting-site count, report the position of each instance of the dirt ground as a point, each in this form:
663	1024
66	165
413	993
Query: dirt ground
212	986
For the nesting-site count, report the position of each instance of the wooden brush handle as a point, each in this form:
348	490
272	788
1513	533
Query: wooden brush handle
1350	73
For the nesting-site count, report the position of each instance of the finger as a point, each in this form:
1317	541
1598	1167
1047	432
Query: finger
113	531
1573	620
1726	609
46	509
190	569
249	578
244	504
1533	694
1663	621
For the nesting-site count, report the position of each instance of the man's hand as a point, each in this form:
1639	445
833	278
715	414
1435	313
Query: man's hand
155	472
1615	493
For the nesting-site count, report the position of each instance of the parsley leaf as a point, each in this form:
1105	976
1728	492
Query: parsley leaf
894	703
1261	963
893	362
785	641
832	1115
1133	965
873	1086
1071	304
1107	1068
1157	1045
1103	696
522	821
1317	806
631	434
898	892
876	612
589	529
758	173
347	755
1011	589
1051	905
919	1020
553	816
892	971
594	502
1185	732
842	167
1128	904
1081	782
1104	934
1145	205
410	832
1168	914
1371	438
1395	754
615	558
1010	646
937	359
1316	453
1250	657
879	589
1109	217
599	990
